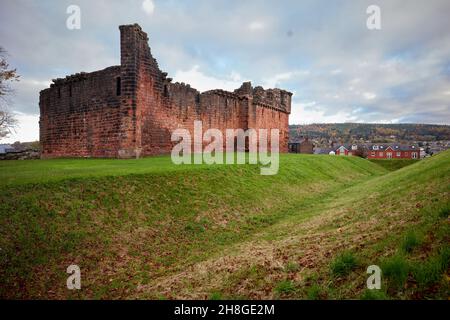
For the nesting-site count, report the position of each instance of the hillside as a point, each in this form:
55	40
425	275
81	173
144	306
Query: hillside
148	229
393	164
348	132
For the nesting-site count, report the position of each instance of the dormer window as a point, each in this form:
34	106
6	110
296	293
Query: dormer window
375	147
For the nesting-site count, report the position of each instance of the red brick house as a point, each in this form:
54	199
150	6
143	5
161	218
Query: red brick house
347	150
380	151
393	151
303	146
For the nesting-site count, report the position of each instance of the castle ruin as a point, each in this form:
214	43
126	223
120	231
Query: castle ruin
131	110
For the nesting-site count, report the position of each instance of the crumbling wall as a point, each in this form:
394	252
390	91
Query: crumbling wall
80	116
131	110
163	106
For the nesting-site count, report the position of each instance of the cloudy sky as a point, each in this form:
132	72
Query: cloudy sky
322	51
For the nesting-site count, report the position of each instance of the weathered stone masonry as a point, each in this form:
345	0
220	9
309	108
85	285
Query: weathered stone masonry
131	110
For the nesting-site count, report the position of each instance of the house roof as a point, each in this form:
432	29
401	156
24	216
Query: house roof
380	147
346	146
323	150
6	148
393	146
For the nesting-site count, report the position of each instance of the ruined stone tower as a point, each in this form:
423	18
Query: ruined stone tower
131	110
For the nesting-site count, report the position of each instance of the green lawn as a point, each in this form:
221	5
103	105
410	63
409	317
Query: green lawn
393	164
37	171
149	229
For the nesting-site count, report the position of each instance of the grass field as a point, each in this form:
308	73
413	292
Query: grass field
149	229
393	164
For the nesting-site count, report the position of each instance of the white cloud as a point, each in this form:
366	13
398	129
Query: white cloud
336	71
35	83
203	82
277	79
256	26
27	131
148	6
369	95
309	112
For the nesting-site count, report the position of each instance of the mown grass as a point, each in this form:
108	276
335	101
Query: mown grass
223	231
393	164
401	214
128	222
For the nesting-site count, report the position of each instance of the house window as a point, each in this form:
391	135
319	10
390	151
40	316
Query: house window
373	154
389	155
375	147
118	86
414	155
399	154
381	154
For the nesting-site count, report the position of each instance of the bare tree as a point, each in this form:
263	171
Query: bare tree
7	123
7	75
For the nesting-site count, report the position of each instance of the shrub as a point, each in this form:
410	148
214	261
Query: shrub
343	264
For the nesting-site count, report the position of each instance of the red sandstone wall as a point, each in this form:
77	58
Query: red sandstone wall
94	121
163	106
80	116
267	118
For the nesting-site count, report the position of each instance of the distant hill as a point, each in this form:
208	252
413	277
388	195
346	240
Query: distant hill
349	132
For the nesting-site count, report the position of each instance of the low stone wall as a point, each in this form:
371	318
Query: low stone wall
21	155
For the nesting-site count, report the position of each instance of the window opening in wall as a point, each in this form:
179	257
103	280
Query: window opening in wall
118	86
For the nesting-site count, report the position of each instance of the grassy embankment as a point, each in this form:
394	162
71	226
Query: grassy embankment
393	164
149	229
